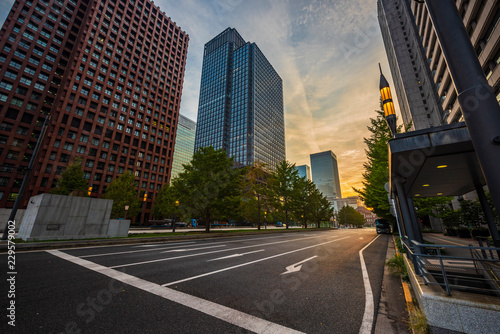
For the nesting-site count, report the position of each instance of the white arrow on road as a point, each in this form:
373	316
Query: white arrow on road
297	266
235	255
191	249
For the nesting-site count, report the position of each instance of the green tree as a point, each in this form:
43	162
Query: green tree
320	208
376	173
349	216
255	193
123	192
165	203
209	188
282	184
71	179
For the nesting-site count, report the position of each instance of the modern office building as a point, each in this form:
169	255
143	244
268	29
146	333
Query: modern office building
481	19
416	91
241	102
325	174
109	73
184	144
304	172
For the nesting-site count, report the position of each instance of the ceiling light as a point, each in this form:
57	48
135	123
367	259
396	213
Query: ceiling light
442	166
439	194
425	185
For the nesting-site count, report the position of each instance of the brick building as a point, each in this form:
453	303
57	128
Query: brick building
110	75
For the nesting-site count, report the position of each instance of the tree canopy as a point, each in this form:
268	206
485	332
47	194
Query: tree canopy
71	179
349	216
123	192
209	188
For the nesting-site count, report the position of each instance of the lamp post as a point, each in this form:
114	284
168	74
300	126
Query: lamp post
265	219
144	199
126	211
387	103
175	212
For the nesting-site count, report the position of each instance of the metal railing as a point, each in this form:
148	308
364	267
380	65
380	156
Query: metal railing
459	268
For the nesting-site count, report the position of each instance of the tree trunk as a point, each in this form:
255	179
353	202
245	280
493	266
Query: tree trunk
207	227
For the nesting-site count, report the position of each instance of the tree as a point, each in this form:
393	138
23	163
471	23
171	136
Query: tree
321	211
165	203
349	216
210	186
71	179
281	184
123	192
255	192
376	173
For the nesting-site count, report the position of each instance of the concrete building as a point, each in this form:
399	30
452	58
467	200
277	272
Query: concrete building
415	90
109	73
325	174
241	102
481	18
184	145
304	172
339	203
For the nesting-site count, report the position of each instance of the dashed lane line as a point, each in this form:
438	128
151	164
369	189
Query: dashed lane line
237	318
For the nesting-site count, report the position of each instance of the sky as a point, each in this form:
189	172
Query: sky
326	52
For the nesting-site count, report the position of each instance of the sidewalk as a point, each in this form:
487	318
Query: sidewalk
392	317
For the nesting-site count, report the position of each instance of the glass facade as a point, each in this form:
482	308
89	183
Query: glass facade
304	172
184	145
241	102
325	174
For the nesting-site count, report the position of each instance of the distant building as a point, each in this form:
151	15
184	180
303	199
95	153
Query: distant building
368	215
339	203
304	172
325	174
414	87
184	145
241	102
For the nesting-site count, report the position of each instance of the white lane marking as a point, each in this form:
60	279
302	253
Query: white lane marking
367	323
447	242
248	263
191	249
163	244
297	266
235	255
218	311
211	252
133	251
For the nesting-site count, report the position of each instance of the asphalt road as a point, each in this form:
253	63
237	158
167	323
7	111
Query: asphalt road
280	283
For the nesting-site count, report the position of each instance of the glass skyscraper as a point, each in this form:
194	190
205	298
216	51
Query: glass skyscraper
241	102
325	174
184	145
304	172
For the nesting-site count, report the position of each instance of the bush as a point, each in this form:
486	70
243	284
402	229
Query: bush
480	232
397	267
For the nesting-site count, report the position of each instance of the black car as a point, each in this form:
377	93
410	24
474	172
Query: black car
383	226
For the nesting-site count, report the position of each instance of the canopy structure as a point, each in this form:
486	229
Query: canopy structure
438	161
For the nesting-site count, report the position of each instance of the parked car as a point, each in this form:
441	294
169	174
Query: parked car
382	226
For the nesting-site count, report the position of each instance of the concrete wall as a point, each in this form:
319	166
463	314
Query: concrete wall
58	217
118	228
4	217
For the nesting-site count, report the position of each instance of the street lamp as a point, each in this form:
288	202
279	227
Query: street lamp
265	219
126	211
175	212
387	103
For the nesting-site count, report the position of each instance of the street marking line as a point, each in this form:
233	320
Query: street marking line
367	323
162	244
248	263
297	266
449	242
210	252
237	318
235	255
133	251
191	249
